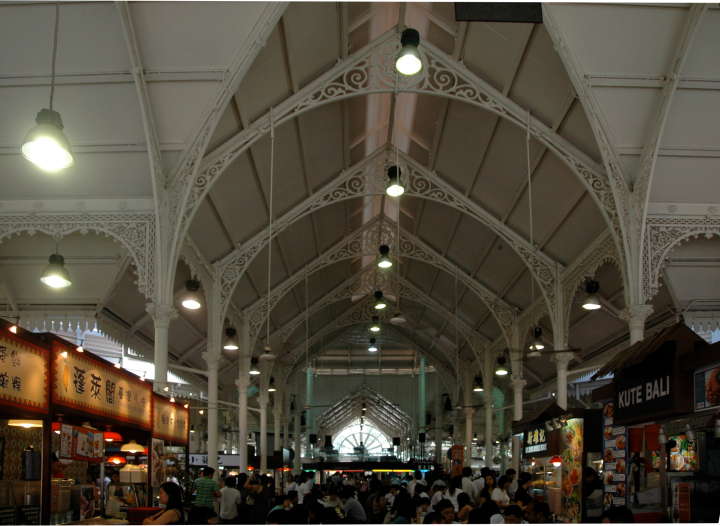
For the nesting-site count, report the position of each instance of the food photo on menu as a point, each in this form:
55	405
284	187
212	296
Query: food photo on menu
620	465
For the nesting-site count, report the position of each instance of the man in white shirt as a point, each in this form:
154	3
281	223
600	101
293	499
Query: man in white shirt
229	501
467	483
305	487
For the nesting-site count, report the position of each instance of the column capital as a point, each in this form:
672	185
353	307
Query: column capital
162	314
563	358
637	313
518	383
212	359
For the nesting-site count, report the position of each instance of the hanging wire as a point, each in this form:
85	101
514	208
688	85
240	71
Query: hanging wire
307	322
457	344
54	54
530	204
270	223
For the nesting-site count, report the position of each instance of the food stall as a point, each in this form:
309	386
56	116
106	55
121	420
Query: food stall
24	427
170	440
556	444
651	447
102	421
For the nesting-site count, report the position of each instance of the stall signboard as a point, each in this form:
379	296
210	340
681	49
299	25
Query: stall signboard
201	459
88	384
645	390
24	379
170	421
535	441
706	385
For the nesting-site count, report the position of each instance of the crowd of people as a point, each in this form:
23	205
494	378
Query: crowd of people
483	498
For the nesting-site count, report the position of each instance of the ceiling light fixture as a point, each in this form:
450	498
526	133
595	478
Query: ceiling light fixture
80	348
380	303
25	424
501	369
375	325
556	461
394	186
231	341
192	299
384	262
536	345
186	406
201	412
132	447
254	371
592	301
267	355
271	387
55	274
373	346
112	436
408	59
477	385
45	145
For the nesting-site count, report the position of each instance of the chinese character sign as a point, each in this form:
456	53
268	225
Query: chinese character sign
86	384
170	421
23	375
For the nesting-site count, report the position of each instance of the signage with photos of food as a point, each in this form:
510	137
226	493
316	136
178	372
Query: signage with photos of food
24	379
171	421
88	384
613	459
80	443
706	384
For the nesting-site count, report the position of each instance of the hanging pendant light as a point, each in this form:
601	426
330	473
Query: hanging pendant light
536	345
112	436
592	301
132	447
380	303
556	461
55	274
25	424
267	355
45	145
394	187
384	262
254	371
373	346
375	326
477	385
231	341
192	299
501	369
271	386
408	59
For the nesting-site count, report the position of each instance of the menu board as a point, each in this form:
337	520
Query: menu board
706	383
170	421
614	461
683	456
80	443
88	384
23	375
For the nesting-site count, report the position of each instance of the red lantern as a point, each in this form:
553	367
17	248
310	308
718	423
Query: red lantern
56	428
556	461
112	436
116	460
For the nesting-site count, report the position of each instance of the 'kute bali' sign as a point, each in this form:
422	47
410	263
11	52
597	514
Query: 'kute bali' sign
89	384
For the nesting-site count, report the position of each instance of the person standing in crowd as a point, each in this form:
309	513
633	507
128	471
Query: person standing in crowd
522	495
464	507
488	487
438	492
445	510
171	498
230	500
467	483
454	491
206	491
353	510
500	494
510	473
